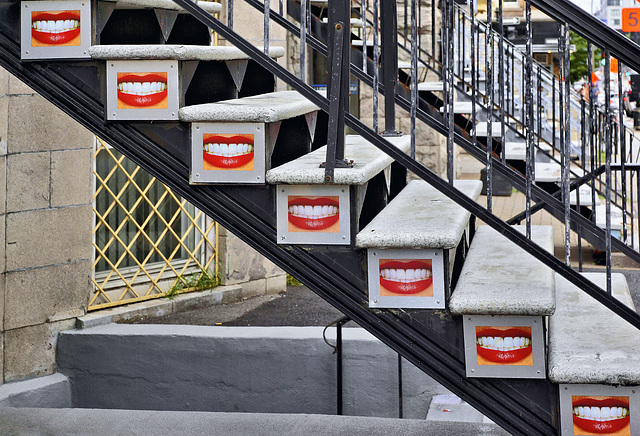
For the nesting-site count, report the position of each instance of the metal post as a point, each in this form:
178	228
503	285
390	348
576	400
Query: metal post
501	80
339	59
567	143
376	63
267	18
608	141
339	381
230	14
528	117
400	394
414	75
389	25
489	93
623	157
303	39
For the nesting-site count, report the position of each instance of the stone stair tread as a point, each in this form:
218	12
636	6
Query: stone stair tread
588	343
463	107
368	160
517	150
209	6
430	86
548	172
601	215
265	108
173	52
402	65
500	278
420	217
585	197
483	130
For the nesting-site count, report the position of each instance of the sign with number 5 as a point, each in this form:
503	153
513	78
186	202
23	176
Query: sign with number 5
631	19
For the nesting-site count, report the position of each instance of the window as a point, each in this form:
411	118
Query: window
615	22
613	2
615	12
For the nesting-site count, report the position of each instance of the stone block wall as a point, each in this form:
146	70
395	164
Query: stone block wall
45	227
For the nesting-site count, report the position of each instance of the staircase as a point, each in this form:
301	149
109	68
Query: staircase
402	260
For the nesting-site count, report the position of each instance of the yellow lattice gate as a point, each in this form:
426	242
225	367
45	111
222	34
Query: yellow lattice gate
148	241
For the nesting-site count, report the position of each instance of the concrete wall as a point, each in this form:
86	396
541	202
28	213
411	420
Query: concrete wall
45	228
237	369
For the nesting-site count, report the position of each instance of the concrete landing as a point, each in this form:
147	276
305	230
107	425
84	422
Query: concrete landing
110	422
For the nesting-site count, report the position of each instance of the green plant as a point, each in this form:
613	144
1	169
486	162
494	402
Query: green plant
292	281
197	281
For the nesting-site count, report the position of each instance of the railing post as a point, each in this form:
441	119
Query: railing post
338	59
389	27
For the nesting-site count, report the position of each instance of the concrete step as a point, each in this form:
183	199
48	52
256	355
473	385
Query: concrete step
500	278
413	245
368	161
265	108
173	52
420	217
587	342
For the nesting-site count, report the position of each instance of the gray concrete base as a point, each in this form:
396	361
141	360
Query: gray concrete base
110	422
52	391
237	369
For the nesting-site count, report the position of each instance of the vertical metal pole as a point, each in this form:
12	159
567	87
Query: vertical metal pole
389	24
474	34
591	130
376	63
303	41
501	82
339	367
623	157
230	14
400	393
338	55
489	93
433	31
281	7
528	116
608	141
363	17
567	143
583	144
267	18
553	115
450	92
414	75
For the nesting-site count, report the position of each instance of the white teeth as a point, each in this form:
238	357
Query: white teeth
503	344
405	275
313	212
142	88
228	150
600	413
55	26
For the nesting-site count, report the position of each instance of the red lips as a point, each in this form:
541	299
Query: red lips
601	427
220	160
56	38
503	356
142	100
399	287
308	222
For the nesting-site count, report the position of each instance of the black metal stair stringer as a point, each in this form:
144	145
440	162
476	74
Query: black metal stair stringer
238	210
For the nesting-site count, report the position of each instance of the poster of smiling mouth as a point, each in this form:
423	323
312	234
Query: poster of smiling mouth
142	90
55	30
504	346
408	278
593	410
227	153
313	214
